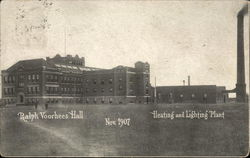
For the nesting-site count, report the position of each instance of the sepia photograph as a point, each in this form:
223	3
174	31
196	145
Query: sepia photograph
124	78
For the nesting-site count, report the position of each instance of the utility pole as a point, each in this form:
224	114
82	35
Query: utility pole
65	40
155	96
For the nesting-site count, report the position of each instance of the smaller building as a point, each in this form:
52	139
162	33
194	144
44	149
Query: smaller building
191	94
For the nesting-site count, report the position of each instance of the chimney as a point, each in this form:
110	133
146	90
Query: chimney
240	85
183	82
188	80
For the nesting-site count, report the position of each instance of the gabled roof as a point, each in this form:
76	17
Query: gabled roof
32	64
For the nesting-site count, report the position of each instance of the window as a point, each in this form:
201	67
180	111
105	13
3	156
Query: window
10	79
14	78
33	77
205	95
29	77
147	92
120	87
102	82
94	90
21	77
87	90
170	95
110	80
120	79
9	90
6	79
181	96
111	89
94	81
5	91
193	95
131	79
110	100
21	84
102	89
36	89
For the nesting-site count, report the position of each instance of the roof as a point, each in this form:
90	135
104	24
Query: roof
186	86
32	64
74	68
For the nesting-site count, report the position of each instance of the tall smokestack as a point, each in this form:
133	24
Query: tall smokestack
240	85
183	82
188	80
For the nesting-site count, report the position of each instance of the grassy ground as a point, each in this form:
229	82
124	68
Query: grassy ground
144	136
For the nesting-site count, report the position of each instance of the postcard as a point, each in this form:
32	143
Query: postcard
127	78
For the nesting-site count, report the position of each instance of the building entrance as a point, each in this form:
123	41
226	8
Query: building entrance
20	98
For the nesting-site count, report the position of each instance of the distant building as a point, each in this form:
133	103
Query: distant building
68	80
191	94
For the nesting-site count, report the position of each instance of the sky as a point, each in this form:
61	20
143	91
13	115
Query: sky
177	38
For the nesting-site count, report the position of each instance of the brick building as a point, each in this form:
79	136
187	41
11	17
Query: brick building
191	94
68	80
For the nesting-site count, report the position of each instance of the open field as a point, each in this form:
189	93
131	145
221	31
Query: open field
145	135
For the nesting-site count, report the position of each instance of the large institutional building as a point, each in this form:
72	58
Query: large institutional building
68	80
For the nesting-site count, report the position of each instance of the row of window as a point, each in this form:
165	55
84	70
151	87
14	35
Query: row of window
52	78
76	62
52	90
72	79
110	100
65	90
76	90
95	90
70	100
33	90
9	79
33	77
32	100
9	101
55	78
94	81
20	84
182	96
8	91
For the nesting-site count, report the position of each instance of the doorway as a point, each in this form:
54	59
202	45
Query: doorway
21	98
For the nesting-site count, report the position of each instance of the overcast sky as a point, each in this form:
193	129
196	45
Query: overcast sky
177	38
